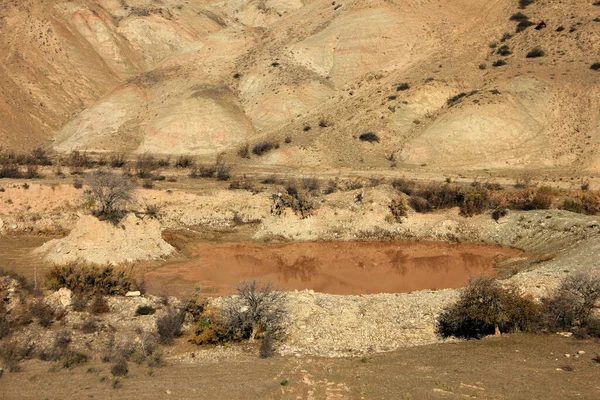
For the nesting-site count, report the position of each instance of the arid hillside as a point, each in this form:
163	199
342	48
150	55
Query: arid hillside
439	84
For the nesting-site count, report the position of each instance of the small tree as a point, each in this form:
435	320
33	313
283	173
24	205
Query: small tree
109	192
256	307
577	297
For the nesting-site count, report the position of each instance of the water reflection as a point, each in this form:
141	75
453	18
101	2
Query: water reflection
340	267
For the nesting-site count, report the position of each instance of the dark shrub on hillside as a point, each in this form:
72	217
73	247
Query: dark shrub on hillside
10	171
119	368
85	279
455	99
521	26
145	310
264	147
498	63
518	17
536	52
504	50
169	326
419	204
4	327
370	137
484	307
311	184
560	28
595	66
525	3
402	86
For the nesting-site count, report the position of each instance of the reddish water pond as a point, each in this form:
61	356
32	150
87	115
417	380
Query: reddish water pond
328	267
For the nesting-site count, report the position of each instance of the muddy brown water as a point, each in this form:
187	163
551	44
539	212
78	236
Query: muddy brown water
327	267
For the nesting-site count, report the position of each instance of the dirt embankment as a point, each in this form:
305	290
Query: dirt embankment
99	242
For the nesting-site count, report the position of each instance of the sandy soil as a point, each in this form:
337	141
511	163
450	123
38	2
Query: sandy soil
511	367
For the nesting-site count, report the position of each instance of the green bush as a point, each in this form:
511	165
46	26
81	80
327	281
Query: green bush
370	137
484	307
536	52
145	310
476	200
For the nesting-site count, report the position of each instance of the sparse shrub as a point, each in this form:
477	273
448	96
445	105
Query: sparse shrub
145	165
119	368
506	36
43	312
298	200
77	183
404	185
148	184
184	162
10	171
32	172
402	86
525	3
264	147
12	353
4	327
71	359
272	180
306	128
560	28
40	156
332	187
267	349
476	200
519	16
117	160
209	330
109	192
89	326
484	307
256	308
577	296
244	151
482	66
164	162
532	199
145	310
455	99
399	209
499	213
169	326
152	211
223	171
535	52
325	123
83	279
203	171
311	184
504	50
79	160
595	66
370	137
99	305
498	63
585	203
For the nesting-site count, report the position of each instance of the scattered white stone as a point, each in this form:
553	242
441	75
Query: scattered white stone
567	355
135	293
581	352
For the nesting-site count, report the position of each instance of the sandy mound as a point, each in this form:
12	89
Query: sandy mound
100	242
